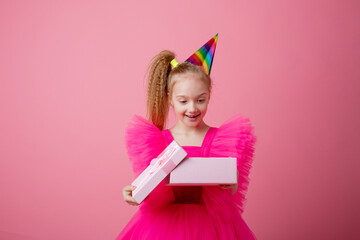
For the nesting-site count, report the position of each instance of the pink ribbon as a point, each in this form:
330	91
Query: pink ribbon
164	161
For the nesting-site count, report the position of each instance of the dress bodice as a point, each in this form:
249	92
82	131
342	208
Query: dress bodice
191	194
194	151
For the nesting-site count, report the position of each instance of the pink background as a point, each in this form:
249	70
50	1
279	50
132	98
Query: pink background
72	76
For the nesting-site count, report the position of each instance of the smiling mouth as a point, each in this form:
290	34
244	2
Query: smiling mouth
193	116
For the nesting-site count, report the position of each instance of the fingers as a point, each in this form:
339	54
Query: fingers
153	161
127	194
129	188
234	187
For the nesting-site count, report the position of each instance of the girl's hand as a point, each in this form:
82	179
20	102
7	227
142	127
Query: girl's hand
227	186
233	186
127	194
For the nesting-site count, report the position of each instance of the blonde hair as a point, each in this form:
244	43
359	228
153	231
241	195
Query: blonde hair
160	85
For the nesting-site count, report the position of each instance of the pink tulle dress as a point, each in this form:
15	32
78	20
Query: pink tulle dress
191	212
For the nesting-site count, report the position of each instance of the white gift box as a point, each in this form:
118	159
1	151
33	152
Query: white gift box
204	171
159	168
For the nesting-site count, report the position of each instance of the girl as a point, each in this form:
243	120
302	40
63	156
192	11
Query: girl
187	212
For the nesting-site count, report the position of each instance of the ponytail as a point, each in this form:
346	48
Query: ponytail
157	99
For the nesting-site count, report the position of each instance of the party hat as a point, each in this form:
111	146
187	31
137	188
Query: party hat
205	55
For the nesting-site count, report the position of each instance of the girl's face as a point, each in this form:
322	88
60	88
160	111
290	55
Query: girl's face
190	98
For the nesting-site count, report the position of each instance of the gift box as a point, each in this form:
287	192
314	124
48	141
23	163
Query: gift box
158	169
204	171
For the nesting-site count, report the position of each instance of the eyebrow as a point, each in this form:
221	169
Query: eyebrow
186	96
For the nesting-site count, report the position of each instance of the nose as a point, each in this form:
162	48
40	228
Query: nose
192	107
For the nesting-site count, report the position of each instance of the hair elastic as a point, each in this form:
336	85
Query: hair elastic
174	63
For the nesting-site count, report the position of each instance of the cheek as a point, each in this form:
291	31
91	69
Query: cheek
204	107
179	108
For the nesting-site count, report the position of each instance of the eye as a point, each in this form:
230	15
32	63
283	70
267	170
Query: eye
182	101
201	100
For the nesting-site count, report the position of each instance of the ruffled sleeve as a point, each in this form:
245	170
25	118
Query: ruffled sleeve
235	138
144	141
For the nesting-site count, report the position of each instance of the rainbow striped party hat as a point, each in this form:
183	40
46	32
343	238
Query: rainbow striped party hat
205	55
